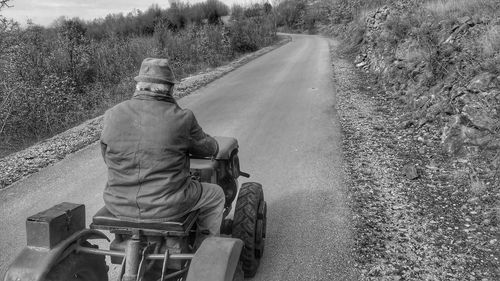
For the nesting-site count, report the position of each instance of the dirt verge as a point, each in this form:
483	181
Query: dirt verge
28	161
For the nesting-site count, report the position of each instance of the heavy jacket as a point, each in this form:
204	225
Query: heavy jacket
146	142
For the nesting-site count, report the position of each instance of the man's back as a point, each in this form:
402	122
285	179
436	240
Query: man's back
146	143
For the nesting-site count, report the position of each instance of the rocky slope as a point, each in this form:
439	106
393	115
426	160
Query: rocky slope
447	89
418	215
422	138
23	163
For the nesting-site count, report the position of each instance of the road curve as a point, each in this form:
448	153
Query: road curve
281	108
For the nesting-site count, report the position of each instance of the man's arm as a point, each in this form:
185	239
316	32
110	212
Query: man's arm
104	146
103	150
201	144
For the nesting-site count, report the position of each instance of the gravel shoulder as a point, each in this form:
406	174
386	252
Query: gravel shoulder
419	214
19	165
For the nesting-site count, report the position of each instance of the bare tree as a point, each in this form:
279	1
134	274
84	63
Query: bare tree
4	3
3	20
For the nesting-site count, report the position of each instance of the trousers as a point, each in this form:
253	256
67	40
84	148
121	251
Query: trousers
211	209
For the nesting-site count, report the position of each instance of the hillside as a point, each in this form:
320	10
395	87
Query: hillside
428	195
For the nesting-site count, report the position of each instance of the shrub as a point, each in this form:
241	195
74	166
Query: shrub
250	34
54	78
291	13
36	112
252	27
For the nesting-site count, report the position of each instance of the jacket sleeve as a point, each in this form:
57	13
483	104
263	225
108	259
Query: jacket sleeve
104	146
103	151
200	143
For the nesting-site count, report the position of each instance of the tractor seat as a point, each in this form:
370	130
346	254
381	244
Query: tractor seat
105	220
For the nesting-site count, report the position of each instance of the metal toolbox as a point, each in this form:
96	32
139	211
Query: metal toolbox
47	228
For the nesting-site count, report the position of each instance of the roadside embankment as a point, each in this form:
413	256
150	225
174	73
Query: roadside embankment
417	215
23	163
421	118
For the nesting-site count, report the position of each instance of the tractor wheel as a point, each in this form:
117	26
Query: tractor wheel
226	227
238	273
249	225
84	267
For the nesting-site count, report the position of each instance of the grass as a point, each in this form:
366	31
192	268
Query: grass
458	8
490	41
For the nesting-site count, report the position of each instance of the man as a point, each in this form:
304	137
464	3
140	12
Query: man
146	142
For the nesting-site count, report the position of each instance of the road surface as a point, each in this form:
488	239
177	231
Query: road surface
281	108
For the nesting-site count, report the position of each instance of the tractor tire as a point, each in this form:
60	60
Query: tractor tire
83	267
227	227
249	225
239	275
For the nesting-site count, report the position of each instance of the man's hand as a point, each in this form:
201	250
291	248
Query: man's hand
205	147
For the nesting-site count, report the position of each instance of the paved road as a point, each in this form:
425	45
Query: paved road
281	109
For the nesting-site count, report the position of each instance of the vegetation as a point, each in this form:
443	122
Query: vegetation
55	77
309	15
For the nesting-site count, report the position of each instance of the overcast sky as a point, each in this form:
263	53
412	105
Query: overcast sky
45	12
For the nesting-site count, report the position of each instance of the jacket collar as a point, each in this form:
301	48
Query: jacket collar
147	95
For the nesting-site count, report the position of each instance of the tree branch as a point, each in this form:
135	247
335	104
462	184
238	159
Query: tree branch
4	3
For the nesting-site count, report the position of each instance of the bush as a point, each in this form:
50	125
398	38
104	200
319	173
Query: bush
250	34
291	13
54	78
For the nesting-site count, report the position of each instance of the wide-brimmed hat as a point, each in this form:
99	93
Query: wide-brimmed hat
156	71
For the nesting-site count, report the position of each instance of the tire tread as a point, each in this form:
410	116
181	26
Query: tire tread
244	224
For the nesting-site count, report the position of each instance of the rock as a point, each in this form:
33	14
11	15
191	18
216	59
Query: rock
464	20
436	108
481	116
448	109
381	16
432	166
473	200
473	136
494	144
481	82
478	187
463	27
407	124
423	121
486	222
457	29
451	138
492	96
410	171
421	102
361	64
475	126
448	40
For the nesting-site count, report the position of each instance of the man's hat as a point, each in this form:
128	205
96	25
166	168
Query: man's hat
156	71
